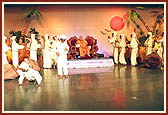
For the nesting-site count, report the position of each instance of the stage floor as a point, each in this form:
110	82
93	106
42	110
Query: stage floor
121	88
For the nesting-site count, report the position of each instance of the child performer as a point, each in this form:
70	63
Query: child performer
61	51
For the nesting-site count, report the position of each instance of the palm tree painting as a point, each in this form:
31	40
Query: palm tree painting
132	15
159	20
30	15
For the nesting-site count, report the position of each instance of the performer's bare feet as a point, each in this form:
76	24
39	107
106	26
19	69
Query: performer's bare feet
123	64
20	85
66	76
132	65
38	85
60	77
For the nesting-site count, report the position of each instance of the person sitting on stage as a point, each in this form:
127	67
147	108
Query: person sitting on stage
25	70
134	46
83	48
62	49
122	44
149	43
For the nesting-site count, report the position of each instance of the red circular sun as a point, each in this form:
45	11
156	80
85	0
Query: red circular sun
117	23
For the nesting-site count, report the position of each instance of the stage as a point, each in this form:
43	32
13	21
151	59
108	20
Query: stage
72	71
90	63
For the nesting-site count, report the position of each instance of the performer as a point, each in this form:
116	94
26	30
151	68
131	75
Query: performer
25	70
33	47
15	47
134	51
110	40
149	43
122	44
5	49
46	53
160	46
115	44
54	43
61	51
83	48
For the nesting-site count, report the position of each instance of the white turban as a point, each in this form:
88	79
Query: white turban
13	37
150	33
63	37
115	33
46	36
133	35
122	36
33	36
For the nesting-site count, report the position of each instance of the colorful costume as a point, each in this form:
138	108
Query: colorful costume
83	48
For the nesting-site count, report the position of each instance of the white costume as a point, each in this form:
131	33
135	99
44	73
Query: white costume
122	44
160	48
5	49
53	51
62	57
134	51
33	48
46	53
29	73
149	44
115	44
15	47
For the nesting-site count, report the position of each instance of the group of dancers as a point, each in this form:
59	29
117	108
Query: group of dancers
55	49
120	42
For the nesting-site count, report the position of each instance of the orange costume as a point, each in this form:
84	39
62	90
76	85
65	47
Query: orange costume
83	48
